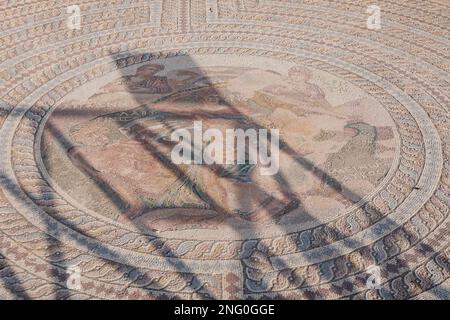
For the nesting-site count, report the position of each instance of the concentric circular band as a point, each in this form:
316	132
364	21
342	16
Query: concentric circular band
402	227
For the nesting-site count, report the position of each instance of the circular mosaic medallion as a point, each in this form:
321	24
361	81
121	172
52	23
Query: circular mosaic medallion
350	200
337	144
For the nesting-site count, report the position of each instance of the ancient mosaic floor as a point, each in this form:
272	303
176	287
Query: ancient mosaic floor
92	207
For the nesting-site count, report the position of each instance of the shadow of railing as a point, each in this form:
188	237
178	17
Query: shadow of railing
157	147
151	141
208	114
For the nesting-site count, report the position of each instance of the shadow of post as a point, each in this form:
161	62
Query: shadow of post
10	281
